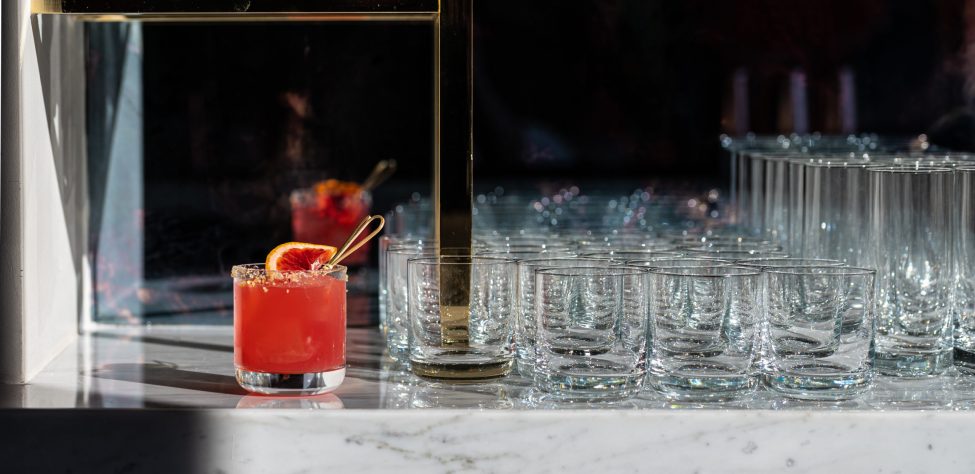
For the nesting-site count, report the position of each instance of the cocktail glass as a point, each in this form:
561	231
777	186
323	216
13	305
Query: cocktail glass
289	329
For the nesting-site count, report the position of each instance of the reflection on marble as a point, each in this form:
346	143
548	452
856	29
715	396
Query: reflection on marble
384	417
191	367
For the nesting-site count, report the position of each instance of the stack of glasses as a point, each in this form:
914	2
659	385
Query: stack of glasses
695	317
857	263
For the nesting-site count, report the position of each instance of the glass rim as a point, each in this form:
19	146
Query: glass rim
699	272
820	271
853	163
397	248
254	270
906	168
716	261
467	260
535	262
768	253
794	262
617	270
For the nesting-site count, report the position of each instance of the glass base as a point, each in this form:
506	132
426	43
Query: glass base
460	371
703	382
913	364
820	387
589	388
311	383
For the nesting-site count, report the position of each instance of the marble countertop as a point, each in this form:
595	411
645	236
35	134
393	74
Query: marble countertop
117	383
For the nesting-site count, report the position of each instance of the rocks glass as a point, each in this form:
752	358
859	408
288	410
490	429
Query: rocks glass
526	318
289	329
461	330
819	330
591	332
704	325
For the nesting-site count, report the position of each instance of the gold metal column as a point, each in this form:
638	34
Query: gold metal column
453	163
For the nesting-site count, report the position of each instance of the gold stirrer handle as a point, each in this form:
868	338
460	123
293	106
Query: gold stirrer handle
347	248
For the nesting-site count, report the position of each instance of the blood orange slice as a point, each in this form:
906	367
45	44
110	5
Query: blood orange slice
296	256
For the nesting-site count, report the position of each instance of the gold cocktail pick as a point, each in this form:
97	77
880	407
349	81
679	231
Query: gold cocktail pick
348	248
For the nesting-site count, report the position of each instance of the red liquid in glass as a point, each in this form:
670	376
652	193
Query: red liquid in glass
329	219
290	327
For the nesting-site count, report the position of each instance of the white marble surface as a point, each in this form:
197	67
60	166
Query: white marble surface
164	400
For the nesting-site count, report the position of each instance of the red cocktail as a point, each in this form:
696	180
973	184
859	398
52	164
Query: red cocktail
289	329
328	212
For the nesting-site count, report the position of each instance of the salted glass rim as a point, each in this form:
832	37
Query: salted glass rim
247	271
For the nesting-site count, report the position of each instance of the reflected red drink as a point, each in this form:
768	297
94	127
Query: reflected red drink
328	212
289	329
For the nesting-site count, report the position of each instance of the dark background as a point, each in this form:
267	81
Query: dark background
237	115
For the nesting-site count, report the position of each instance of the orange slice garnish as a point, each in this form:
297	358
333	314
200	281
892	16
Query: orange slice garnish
296	256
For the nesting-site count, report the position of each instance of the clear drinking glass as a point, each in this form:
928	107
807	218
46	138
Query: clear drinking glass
396	329
704	325
461	330
910	227
591	332
965	271
289	330
525	325
835	206
819	332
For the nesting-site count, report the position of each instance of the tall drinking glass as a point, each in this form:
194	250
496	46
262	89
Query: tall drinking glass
910	227
835	207
965	271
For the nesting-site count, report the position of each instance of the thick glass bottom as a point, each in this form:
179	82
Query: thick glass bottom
311	383
913	364
582	387
459	370
703	382
820	387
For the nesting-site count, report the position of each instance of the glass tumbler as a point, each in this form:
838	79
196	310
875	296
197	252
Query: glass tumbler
591	332
289	330
910	227
462	316
704	325
819	333
965	271
525	324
